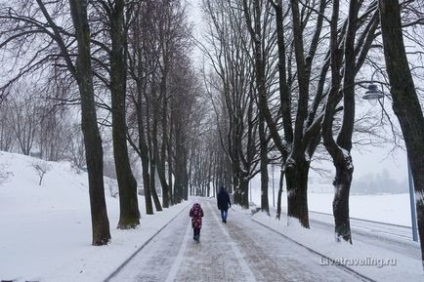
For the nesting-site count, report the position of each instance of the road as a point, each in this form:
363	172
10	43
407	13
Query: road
240	250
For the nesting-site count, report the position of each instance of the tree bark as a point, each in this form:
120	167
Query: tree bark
255	29
406	105
244	192
129	212
144	150
161	157
92	140
264	165
154	152
296	164
280	193
297	196
179	170
342	183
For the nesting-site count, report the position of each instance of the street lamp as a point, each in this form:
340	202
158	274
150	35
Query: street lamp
373	95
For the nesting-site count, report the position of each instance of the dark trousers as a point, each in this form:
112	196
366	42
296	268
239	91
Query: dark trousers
196	232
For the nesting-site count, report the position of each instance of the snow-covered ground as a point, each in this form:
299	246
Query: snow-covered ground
45	230
239	250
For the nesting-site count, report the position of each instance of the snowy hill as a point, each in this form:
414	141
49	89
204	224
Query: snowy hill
46	229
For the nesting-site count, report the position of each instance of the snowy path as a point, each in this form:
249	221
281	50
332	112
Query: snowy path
237	251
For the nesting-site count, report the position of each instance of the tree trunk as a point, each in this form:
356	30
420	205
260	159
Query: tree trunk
179	172
297	191
405	102
153	186
146	182
244	192
144	156
162	157
342	183
185	175
297	168
92	140
164	184
129	212
236	185
170	170
280	193
264	165
142	143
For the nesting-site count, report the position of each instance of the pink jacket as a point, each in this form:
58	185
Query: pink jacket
196	214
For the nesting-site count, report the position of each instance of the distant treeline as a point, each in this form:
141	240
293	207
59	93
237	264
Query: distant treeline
379	183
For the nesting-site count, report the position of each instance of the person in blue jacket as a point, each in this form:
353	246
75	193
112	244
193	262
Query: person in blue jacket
224	203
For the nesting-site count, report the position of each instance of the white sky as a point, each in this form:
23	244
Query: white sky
46	231
368	159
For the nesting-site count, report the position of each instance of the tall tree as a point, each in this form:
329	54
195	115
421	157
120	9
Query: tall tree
119	15
142	62
340	149
405	101
30	29
92	140
256	32
306	84
182	104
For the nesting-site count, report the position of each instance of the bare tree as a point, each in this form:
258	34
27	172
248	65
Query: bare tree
405	101
117	15
232	92
183	104
258	21
158	46
144	61
92	141
25	117
7	136
340	149
42	167
30	32
303	88
76	150
53	134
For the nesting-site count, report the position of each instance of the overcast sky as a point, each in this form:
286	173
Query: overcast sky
366	159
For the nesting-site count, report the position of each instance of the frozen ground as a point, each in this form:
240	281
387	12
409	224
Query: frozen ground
45	235
227	252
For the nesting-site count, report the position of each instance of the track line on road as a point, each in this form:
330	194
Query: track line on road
117	270
243	264
341	266
179	259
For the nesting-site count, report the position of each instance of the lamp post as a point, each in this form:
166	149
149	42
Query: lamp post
273	190
412	203
374	94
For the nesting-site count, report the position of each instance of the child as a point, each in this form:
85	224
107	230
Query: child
196	214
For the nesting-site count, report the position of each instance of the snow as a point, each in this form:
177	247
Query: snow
178	261
45	230
376	262
244	266
391	208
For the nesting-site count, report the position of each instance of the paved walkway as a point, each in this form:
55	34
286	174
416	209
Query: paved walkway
240	250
